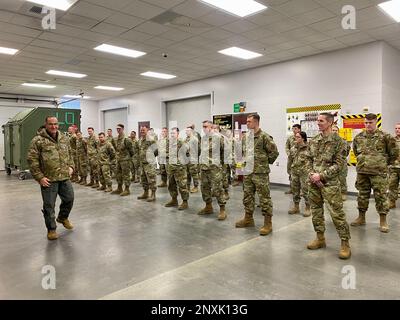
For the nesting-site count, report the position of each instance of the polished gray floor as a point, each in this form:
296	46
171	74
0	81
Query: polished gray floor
123	248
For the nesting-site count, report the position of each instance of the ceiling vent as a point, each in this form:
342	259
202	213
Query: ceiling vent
36	10
166	17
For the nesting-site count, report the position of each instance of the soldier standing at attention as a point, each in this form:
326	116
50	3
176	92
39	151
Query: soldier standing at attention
135	158
177	174
259	151
92	146
124	152
394	174
51	166
344	170
81	150
290	142
72	142
111	140
326	158
299	154
147	152
106	157
162	152
194	145
375	151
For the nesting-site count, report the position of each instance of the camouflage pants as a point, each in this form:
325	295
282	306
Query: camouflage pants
135	169
105	175
76	163
123	173
226	172
211	185
163	173
299	185
364	184
82	167
332	197
149	177
289	169
193	173
94	169
257	182
394	180
343	179
177	177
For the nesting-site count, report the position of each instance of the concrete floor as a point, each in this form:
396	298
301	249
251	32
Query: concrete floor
123	248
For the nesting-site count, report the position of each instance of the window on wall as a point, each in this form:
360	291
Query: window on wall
75	104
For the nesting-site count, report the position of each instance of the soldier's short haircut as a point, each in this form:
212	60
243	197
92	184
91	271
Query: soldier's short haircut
90	128
133	131
296	126
328	116
208	122
255	116
165	128
303	135
371	116
175	129
101	134
48	117
120	125
109	129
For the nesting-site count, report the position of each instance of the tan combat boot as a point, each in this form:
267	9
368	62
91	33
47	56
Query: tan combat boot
194	190
118	190
392	204
384	227
163	184
222	213
360	221
83	181
344	196
101	188
108	189
172	203
307	211
247	221
208	209
66	223
184	205
126	192
152	197
345	251
95	185
145	195
267	228
89	184
317	243
52	235
295	209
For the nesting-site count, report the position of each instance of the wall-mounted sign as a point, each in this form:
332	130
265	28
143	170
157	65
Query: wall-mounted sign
239	107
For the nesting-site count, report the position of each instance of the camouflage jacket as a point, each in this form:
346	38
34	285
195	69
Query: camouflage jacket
123	148
264	151
112	141
92	146
72	142
50	158
81	148
194	148
375	152
397	162
212	151
326	157
290	142
135	145
178	157
145	144
106	153
163	146
300	155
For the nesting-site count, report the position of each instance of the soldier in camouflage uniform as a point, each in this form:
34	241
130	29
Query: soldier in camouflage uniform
135	169
51	165
72	143
299	154
177	174
290	142
375	151
124	152
325	160
81	150
111	140
92	148
344	170
259	150
225	161
211	157
147	153
106	157
394	174
162	159
194	145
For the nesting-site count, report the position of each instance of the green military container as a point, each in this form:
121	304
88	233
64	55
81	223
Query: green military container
19	131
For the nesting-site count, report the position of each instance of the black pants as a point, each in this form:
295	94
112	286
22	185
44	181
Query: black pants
49	195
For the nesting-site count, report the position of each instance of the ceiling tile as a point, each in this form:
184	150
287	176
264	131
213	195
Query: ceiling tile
124	20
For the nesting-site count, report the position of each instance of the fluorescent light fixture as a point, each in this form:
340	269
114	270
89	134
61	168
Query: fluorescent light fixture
38	85
240	8
392	8
63	5
240	53
76	96
9	51
109	88
120	51
158	75
66	74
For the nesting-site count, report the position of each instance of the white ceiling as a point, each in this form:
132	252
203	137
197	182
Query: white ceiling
288	29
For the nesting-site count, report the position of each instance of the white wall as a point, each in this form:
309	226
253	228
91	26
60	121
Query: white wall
351	77
89	116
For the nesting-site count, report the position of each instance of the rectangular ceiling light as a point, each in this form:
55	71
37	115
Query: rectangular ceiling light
120	51
9	51
392	8
76	97
38	85
109	88
158	75
63	5
240	8
66	74
240	53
